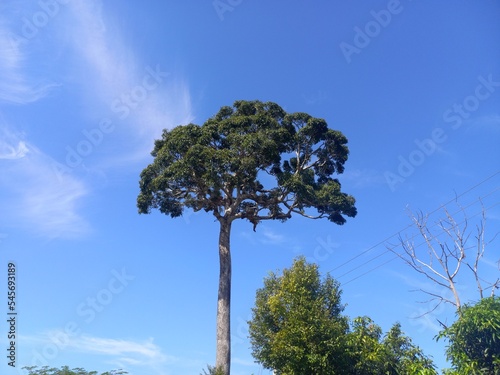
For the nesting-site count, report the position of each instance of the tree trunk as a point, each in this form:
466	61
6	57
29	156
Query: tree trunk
223	351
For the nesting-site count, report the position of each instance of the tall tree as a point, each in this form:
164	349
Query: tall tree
251	161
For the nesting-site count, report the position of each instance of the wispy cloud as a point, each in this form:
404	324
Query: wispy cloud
15	85
270	237
495	264
110	71
106	62
14	151
131	352
105	65
121	353
33	197
266	236
94	54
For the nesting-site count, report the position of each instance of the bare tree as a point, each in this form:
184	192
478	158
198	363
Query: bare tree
450	251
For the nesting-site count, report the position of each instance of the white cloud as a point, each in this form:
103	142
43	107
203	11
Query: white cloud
271	237
23	55
133	351
34	197
15	86
122	353
108	66
110	70
92	53
10	147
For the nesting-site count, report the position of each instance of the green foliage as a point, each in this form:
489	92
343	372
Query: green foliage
402	357
297	327
220	167
393	354
474	339
65	370
364	347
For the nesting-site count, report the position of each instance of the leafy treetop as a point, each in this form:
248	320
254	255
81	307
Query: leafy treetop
221	167
474	338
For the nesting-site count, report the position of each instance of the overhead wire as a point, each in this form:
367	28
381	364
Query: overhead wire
412	224
397	256
413	236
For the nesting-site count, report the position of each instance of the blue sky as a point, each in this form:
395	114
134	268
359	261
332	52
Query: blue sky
86	87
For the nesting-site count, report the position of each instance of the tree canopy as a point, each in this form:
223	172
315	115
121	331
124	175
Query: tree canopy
474	338
297	327
372	353
223	165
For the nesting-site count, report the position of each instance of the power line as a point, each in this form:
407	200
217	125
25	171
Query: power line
397	256
410	225
371	270
413	236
